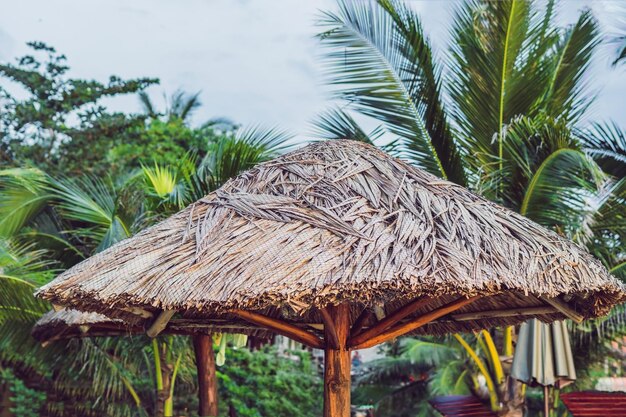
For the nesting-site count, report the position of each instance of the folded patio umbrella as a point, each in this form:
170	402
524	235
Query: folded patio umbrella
543	356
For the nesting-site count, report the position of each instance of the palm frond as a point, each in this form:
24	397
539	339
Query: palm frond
450	378
487	40
230	155
619	270
163	183
606	144
567	94
22	269
368	66
108	363
558	193
183	105
424	77
146	105
337	124
23	194
607	219
499	71
428	352
92	204
621	50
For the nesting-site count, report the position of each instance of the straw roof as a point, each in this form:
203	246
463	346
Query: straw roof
336	222
67	323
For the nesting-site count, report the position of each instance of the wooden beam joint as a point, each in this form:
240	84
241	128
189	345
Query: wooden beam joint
390	320
403	328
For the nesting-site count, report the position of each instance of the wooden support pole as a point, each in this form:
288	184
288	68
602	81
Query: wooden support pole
564	308
281	327
404	328
337	364
390	320
207	379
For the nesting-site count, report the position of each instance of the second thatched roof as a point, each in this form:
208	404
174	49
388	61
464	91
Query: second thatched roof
67	323
335	222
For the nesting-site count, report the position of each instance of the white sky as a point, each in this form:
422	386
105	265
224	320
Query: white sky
255	61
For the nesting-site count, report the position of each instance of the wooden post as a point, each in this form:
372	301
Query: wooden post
337	363
207	380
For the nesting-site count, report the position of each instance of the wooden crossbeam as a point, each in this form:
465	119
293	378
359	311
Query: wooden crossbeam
521	311
404	328
360	321
390	320
160	323
281	327
138	312
564	308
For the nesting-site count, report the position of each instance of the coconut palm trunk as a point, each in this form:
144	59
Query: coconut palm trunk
513	399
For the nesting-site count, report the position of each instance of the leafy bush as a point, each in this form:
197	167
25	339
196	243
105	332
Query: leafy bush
263	384
25	402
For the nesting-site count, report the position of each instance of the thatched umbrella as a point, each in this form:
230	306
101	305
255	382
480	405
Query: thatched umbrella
68	324
308	244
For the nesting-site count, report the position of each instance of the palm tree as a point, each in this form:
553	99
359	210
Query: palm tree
621	54
180	105
68	219
400	382
504	117
619	38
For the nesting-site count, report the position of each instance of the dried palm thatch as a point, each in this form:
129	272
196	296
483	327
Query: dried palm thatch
67	323
342	222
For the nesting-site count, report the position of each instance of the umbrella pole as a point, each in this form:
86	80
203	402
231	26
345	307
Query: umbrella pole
546	401
207	380
337	362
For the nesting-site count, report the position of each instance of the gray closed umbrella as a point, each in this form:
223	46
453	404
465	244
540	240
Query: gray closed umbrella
543	356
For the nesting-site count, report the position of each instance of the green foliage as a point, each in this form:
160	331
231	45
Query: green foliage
180	106
380	78
262	383
26	402
65	218
41	128
502	117
414	369
22	269
163	141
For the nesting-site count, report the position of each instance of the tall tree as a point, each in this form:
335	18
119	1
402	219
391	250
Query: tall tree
60	125
503	117
179	105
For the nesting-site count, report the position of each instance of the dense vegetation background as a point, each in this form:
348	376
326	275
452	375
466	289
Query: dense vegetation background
506	114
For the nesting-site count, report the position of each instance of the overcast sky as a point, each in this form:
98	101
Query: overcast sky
254	61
